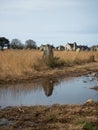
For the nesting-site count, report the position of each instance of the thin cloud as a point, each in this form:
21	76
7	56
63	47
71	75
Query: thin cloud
49	19
15	6
25	6
91	29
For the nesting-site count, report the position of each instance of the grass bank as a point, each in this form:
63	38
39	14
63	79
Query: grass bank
18	65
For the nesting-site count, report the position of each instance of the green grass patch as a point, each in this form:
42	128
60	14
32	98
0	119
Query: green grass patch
90	126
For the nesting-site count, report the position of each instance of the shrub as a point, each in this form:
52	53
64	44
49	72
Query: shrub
55	62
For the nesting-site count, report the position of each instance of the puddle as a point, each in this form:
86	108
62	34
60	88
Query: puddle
67	91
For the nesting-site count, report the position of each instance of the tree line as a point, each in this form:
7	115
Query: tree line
29	44
17	44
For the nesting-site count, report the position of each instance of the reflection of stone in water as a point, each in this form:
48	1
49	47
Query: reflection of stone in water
48	85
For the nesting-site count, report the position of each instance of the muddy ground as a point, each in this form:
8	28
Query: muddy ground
56	117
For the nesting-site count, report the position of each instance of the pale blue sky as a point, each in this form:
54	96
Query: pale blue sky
50	21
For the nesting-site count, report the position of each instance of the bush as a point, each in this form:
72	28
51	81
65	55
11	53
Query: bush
55	62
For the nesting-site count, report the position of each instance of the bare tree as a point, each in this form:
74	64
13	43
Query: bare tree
30	44
16	44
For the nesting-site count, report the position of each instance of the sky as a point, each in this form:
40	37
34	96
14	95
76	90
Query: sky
53	22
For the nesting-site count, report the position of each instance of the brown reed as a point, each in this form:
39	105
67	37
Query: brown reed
25	62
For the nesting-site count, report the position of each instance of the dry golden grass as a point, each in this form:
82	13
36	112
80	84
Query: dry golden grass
15	63
73	56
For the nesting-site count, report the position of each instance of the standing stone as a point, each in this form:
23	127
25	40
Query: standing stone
48	53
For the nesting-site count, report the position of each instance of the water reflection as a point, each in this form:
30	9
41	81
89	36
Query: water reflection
49	91
48	85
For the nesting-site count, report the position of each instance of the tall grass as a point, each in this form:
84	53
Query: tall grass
15	63
72	56
18	62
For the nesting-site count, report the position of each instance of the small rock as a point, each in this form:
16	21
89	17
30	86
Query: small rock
4	121
21	110
89	101
93	74
84	81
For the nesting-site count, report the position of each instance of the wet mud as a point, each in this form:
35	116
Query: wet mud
55	117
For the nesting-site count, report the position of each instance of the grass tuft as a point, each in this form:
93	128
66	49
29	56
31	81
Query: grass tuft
90	126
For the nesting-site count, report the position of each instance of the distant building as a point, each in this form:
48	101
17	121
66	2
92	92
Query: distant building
83	48
42	47
94	48
60	48
6	46
75	47
4	43
71	46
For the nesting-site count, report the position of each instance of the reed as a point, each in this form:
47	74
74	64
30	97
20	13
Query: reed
72	56
15	63
18	62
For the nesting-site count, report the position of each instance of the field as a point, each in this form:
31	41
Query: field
19	64
23	65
